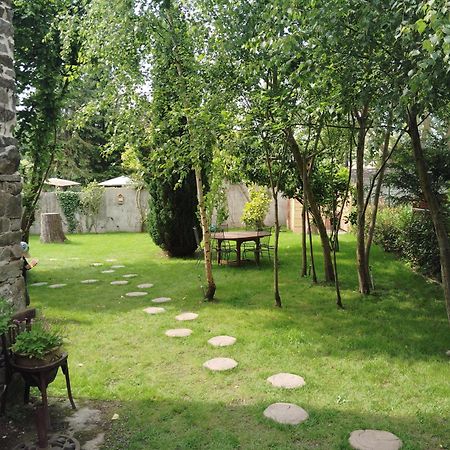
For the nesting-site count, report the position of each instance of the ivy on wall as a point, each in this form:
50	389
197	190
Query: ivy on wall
70	205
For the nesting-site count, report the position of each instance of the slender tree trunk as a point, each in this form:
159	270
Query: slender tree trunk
304	271
209	295
376	197
436	211
276	285
363	273
313	208
311	250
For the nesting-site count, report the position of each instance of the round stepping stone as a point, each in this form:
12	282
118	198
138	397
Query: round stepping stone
108	271
136	294
145	285
97	264
154	310
110	260
119	282
447	352
161	299
186	316
286	380
222	341
374	440
178	332
130	275
89	281
286	413
41	283
55	286
220	364
117	266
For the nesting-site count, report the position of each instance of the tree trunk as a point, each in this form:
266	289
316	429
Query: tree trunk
304	271
209	295
311	250
326	248
51	228
436	211
363	272
276	286
376	197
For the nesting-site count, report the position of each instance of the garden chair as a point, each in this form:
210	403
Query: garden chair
226	249
40	376
264	245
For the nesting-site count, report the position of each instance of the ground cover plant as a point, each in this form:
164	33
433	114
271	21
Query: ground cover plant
380	363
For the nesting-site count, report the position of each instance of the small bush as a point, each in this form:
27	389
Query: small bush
256	209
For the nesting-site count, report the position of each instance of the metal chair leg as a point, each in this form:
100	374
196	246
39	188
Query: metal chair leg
65	369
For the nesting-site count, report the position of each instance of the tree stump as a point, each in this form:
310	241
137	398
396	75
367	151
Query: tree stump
51	228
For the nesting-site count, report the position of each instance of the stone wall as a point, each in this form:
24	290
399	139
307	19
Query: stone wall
11	282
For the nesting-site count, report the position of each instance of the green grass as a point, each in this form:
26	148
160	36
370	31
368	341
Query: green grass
379	364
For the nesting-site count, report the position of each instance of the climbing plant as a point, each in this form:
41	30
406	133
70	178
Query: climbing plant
70	205
91	200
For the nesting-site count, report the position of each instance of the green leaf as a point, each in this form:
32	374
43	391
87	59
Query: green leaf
421	26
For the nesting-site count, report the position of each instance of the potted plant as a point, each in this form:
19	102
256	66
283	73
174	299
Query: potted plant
38	346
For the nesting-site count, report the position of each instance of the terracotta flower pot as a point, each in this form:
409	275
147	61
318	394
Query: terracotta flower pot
33	362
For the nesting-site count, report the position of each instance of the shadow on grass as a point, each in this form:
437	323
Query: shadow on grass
183	424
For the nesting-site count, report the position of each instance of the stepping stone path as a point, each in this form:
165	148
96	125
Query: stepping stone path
136	294
220	364
55	286
97	264
41	283
119	282
178	332
222	341
286	413
117	266
186	316
286	380
130	275
374	440
89	281
108	271
154	310
161	299
145	285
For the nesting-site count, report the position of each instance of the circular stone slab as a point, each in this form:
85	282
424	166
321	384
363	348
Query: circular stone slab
222	341
178	332
55	286
286	413
286	380
111	260
154	310
187	316
89	281
136	294
161	299
374	440
145	285
97	264
130	275
119	282
41	283
108	271
117	266
220	364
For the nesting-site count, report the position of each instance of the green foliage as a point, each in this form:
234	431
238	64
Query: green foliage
38	341
172	215
256	209
91	200
6	312
70	204
411	235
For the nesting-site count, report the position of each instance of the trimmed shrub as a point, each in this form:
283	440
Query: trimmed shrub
173	214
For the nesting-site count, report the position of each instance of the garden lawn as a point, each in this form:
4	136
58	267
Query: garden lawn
378	364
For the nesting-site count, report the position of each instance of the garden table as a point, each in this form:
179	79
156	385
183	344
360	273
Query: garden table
239	237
